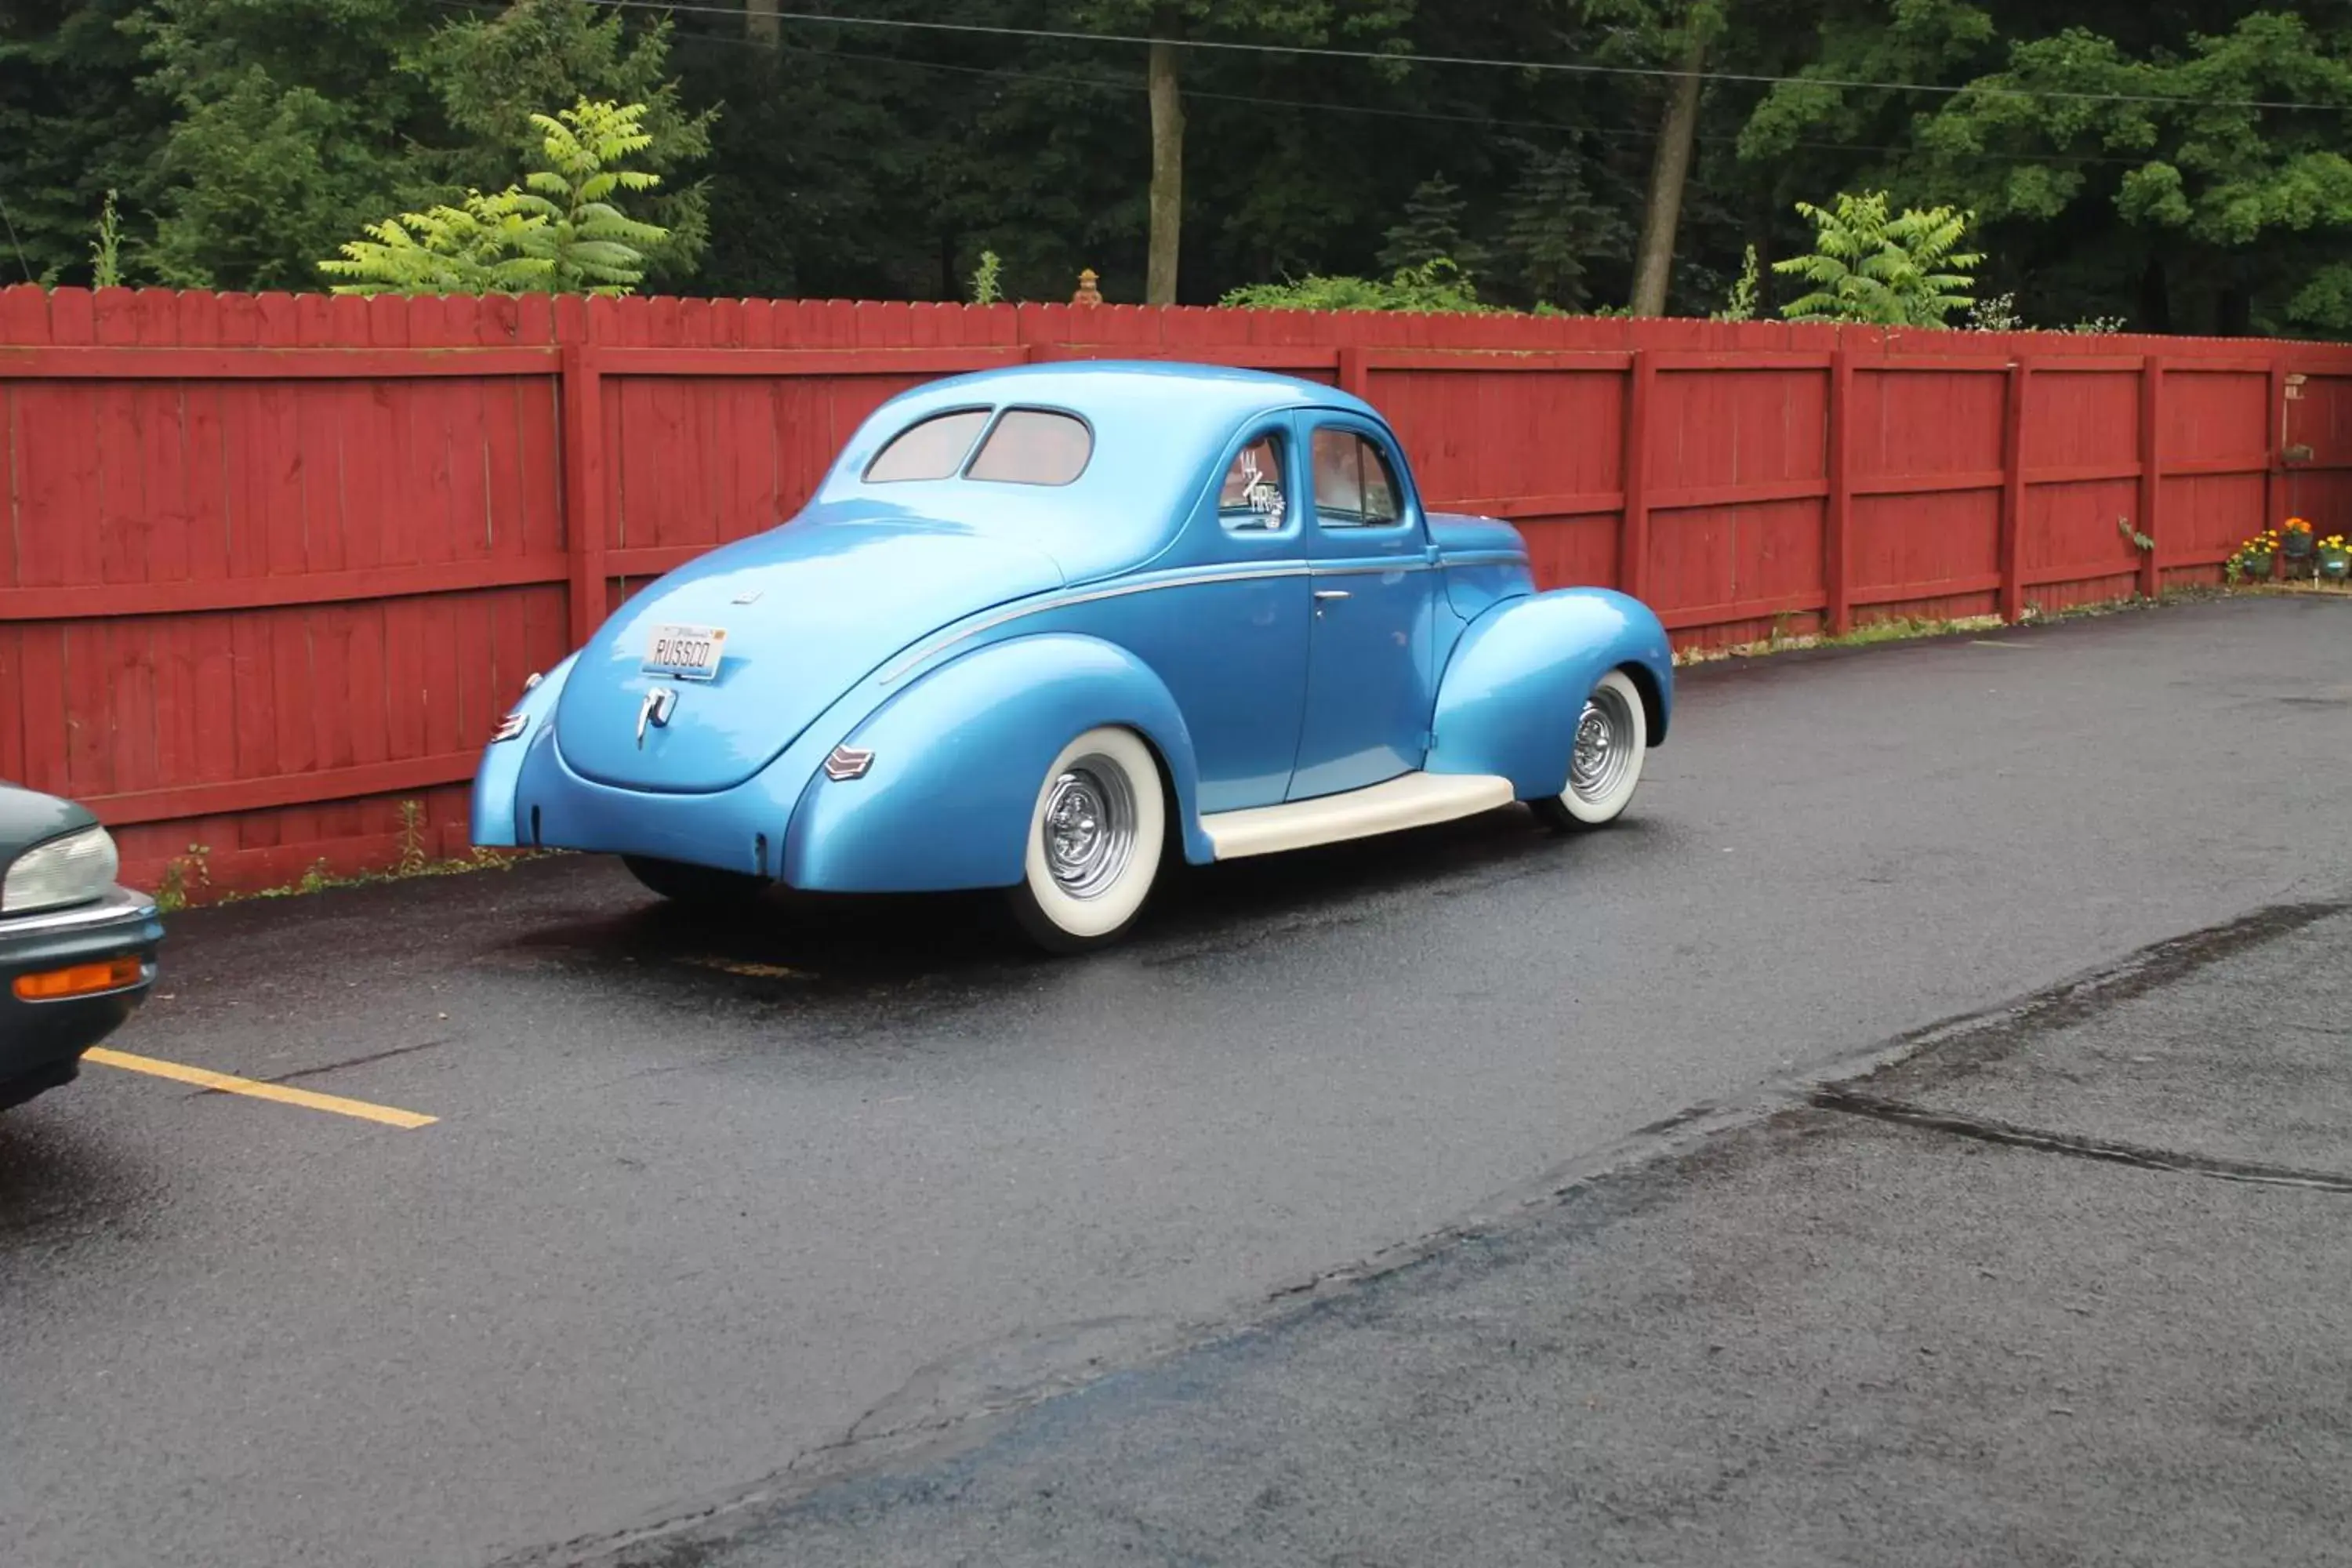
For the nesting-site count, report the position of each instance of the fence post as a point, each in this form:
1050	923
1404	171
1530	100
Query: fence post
1836	567
1355	376
1633	536
2151	474
2275	473
2012	492
583	488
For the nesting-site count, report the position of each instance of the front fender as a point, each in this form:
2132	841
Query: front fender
1519	675
957	759
502	762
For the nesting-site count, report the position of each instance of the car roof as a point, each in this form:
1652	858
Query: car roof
1158	425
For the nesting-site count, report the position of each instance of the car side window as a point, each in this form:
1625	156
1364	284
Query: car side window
929	448
1354	486
1252	499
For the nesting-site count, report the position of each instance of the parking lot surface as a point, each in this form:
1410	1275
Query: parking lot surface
701	1205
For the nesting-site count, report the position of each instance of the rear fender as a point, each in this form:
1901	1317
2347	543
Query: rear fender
502	761
1520	672
957	759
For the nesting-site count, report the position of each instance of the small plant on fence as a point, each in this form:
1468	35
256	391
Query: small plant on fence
987	280
1996	314
1741	304
2139	542
2250	562
106	251
559	232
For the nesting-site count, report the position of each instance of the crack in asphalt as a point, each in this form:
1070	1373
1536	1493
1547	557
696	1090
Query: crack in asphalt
347	1062
1992	1129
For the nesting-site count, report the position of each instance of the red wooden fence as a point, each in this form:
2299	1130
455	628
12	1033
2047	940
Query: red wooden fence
274	564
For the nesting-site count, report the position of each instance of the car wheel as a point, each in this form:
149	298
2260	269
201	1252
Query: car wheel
1095	835
704	886
1605	761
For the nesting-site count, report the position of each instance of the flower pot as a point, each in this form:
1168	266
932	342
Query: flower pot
2335	565
2257	567
2298	545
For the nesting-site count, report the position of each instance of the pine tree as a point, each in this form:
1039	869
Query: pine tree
1431	231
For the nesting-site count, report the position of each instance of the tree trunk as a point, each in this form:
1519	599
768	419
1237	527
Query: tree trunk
761	24
1653	261
1166	174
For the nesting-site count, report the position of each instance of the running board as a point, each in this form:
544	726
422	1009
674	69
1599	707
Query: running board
1416	800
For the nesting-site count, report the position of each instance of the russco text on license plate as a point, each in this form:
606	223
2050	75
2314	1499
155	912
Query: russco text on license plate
690	651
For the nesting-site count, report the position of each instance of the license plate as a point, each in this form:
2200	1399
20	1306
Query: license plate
688	653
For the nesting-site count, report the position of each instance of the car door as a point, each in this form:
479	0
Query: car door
1230	640
1368	697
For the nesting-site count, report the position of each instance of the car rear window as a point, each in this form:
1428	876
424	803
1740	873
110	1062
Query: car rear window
929	448
1034	446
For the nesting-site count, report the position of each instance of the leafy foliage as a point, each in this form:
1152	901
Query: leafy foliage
1437	286
1866	267
2110	152
560	231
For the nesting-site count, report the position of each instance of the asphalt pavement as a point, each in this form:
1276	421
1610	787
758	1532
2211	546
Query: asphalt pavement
1891	1328
715	1218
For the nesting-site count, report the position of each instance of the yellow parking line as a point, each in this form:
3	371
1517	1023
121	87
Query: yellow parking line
229	1083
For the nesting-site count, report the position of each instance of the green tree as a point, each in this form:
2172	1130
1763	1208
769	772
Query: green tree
560	231
492	73
1557	228
293	121
298	122
1866	267
1169	24
73	126
1430	230
2239	211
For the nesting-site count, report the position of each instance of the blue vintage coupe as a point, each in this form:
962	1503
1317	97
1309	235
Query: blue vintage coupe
1041	628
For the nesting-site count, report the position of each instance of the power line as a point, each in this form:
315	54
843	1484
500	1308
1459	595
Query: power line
1578	67
1620	134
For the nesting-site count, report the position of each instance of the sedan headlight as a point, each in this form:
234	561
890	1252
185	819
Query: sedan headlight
71	869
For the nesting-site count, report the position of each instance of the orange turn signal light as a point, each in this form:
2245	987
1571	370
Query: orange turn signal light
80	980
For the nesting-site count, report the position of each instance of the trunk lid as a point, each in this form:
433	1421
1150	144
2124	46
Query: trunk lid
809	610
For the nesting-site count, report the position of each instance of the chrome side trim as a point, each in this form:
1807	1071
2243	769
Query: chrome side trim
1483	558
1359	568
1190	579
121	904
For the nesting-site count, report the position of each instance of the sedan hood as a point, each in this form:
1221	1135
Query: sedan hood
809	610
28	817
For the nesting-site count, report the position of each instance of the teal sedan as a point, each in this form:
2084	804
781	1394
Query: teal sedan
76	952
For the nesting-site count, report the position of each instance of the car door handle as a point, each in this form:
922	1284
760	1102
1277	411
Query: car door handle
1330	593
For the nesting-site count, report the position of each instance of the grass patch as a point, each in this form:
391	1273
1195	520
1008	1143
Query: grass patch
187	881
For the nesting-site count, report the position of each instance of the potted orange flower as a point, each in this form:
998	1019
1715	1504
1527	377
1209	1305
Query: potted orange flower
2296	536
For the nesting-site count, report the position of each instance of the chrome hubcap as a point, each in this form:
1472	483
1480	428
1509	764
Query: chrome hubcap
1604	735
1088	833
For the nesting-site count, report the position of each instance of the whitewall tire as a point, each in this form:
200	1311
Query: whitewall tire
1605	756
1096	837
